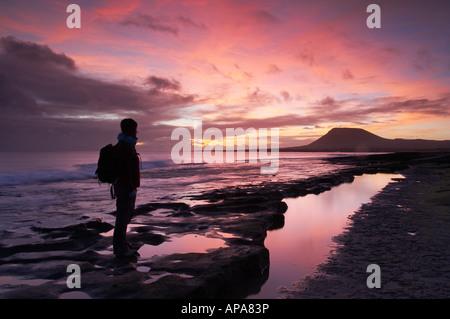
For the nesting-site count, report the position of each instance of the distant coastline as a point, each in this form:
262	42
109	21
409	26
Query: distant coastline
360	141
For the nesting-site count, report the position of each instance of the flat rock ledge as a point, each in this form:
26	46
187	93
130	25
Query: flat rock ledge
38	268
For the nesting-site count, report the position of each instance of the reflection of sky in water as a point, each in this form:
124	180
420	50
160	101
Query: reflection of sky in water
310	223
55	190
40	186
190	243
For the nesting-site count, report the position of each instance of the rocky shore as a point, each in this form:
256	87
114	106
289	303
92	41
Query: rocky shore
245	214
404	230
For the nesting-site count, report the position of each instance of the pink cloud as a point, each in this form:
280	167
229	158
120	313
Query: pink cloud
251	62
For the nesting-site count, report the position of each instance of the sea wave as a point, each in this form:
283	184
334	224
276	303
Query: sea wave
11	179
80	172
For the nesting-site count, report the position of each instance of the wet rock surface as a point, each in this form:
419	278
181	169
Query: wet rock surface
34	266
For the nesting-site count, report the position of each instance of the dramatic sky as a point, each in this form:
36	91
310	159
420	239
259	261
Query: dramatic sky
301	66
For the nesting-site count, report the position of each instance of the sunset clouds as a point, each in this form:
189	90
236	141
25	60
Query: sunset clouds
302	66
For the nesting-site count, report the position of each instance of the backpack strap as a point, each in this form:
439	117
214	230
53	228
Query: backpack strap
111	190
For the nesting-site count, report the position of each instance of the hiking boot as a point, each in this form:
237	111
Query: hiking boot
128	253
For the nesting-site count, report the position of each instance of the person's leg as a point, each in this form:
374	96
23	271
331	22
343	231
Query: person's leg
125	208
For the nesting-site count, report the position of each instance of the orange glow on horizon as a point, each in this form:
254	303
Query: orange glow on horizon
303	67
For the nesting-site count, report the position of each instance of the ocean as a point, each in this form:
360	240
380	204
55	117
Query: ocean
57	189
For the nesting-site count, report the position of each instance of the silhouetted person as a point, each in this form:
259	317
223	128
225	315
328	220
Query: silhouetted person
127	183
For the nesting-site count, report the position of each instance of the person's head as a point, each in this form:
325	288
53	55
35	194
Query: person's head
129	127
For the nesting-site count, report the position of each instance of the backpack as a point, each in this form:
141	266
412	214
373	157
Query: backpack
107	165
